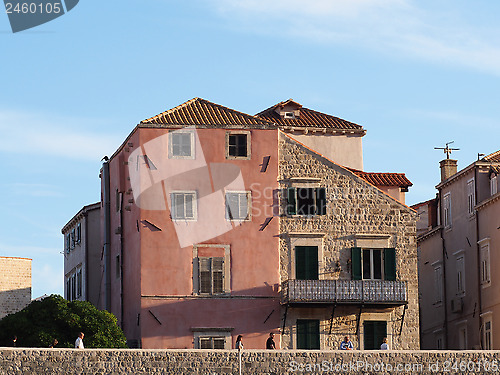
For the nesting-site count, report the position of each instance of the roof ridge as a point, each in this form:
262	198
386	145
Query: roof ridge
345	168
492	155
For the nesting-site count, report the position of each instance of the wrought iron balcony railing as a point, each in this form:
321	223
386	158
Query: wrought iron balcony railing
375	292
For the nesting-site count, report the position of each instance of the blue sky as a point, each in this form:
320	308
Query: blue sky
414	74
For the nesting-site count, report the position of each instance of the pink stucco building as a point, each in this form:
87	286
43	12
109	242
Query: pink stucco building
196	232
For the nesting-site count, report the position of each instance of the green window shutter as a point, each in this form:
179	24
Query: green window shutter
356	263
390	264
306	262
308	334
291	207
320	201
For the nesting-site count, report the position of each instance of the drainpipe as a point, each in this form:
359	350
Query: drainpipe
444	255
478	249
107	236
122	238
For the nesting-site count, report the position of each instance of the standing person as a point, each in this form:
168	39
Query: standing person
239	343
384	345
270	342
14	341
346	344
79	341
54	343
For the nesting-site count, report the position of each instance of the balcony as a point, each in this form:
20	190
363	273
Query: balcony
364	292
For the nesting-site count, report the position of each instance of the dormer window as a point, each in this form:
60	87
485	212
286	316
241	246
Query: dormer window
289	115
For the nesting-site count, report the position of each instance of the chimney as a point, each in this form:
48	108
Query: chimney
448	168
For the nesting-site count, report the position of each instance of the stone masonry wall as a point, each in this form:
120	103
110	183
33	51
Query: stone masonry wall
354	208
15	285
253	362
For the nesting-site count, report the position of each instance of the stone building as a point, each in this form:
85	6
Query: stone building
82	255
459	291
217	223
15	284
348	257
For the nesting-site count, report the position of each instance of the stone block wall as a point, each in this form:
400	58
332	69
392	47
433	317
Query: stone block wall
253	362
15	284
356	212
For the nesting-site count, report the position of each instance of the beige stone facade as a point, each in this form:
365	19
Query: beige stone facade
15	285
358	215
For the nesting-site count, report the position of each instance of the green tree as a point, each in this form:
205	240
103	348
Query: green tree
56	318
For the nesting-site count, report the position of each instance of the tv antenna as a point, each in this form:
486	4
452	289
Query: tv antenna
447	150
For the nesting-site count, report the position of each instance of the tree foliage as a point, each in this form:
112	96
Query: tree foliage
56	318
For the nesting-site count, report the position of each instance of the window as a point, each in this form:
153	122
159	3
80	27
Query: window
211	275
494	184
238	205
79	281
308	334
238	145
289	115
438	284
462	337
460	268
79	233
485	263
306	201
181	144
73	238
487	334
67	242
374	332
447	210
373	264
183	205
471	197
306	262
212	342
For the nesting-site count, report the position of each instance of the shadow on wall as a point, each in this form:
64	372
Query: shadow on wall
14	300
168	321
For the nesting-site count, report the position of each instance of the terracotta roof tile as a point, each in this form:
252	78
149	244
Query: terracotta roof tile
201	112
307	118
493	158
383	179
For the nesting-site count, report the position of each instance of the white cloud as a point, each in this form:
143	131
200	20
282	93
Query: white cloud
30	133
396	27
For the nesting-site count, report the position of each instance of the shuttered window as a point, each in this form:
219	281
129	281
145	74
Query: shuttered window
306	262
373	264
238	206
308	334
211	275
306	201
212	342
374	333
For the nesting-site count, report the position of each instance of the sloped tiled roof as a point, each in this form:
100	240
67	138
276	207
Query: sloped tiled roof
307	118
201	112
493	158
383	179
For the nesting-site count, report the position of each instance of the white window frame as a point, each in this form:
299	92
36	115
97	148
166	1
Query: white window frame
249	144
485	264
471	196
447	220
460	273
372	267
78	233
487	333
494	185
171	135
173	207
240	194
438	283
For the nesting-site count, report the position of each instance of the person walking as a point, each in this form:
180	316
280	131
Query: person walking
239	343
346	344
79	341
270	342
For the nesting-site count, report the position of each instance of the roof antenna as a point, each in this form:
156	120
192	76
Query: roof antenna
447	150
